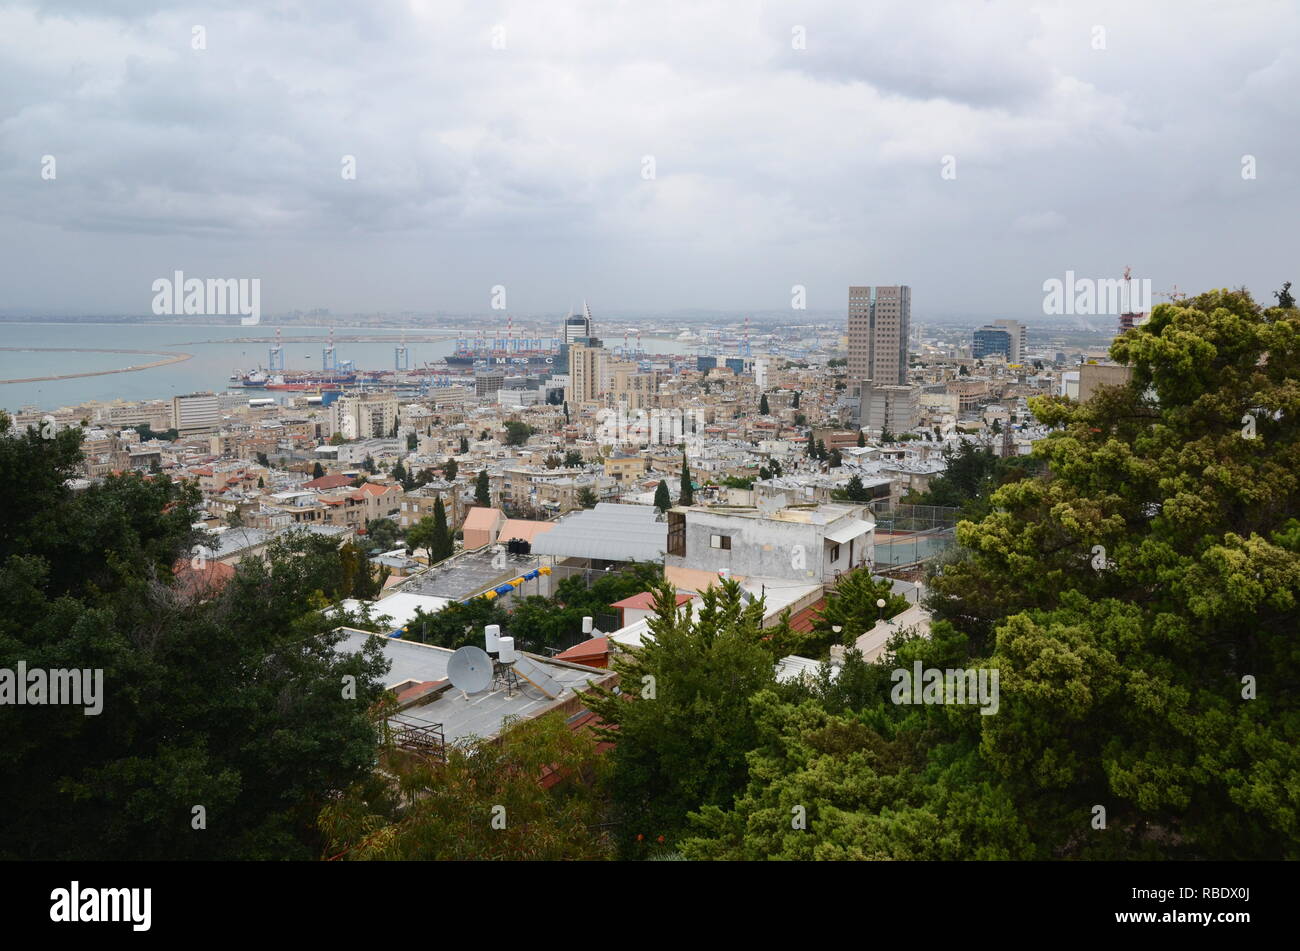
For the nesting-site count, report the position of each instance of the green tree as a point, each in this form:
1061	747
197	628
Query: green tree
862	439
318	471
456	625
1284	297
572	458
412	440
683	723
446	811
517	432
482	489
662	500
464	445
450	470
443	546
382	533
686	494
1134	596
852	606
230	699
587	498
430	533
762	406
794	402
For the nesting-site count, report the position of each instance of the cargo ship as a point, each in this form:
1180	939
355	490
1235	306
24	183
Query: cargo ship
306	380
532	360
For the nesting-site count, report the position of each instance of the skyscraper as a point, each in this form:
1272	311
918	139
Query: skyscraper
880	324
1019	336
587	369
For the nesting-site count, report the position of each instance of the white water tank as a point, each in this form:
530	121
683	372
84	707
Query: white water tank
587	624
492	634
507	655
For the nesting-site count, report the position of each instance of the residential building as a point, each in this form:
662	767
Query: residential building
880	323
196	413
365	415
815	543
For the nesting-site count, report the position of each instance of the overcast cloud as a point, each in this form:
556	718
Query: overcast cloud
523	166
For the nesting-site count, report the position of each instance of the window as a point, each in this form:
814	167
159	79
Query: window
835	553
677	534
720	541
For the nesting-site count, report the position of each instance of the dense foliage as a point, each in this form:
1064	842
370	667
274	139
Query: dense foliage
229	700
1139	600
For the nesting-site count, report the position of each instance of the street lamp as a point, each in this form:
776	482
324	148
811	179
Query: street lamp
880	603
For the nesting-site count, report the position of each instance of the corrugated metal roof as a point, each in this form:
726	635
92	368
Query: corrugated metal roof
610	531
851	529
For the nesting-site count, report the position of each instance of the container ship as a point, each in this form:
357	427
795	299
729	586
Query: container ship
532	359
306	380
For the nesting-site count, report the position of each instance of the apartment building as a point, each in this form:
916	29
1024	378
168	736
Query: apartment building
365	415
196	413
880	326
587	369
813	542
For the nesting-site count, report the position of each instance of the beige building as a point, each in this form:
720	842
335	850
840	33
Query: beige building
365	415
893	408
632	388
587	369
626	469
1093	376
880	324
196	413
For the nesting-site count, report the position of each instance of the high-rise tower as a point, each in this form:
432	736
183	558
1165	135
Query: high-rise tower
880	324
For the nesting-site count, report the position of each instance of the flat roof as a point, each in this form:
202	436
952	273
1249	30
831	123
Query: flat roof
610	531
478	715
470	573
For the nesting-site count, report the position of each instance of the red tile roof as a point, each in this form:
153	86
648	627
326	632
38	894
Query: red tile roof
595	647
803	621
645	601
328	482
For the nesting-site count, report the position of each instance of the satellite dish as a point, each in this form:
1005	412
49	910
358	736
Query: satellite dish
470	669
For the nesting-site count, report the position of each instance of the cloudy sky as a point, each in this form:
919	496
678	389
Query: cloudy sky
649	156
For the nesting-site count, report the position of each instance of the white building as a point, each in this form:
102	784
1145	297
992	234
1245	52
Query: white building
802	543
196	413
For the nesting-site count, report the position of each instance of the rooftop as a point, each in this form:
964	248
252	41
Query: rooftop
610	532
470	573
481	714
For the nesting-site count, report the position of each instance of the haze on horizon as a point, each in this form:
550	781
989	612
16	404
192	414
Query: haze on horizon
524	166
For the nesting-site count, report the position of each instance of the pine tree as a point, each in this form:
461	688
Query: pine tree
762	407
449	470
687	494
1284	298
862	439
662	501
441	546
482	489
464	445
318	471
794	404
